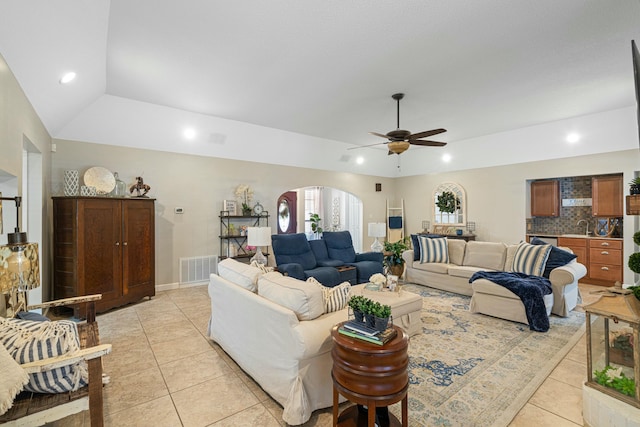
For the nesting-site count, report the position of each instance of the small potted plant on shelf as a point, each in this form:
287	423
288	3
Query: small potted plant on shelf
634	186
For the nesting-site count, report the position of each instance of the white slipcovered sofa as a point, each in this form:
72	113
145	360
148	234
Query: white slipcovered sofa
276	329
465	258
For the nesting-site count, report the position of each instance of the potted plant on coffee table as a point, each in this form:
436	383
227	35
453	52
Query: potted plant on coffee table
356	303
393	256
381	314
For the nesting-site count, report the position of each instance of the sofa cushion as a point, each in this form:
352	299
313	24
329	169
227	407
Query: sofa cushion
486	255
557	257
531	259
293	249
464	270
339	245
456	250
241	274
433	250
305	300
434	267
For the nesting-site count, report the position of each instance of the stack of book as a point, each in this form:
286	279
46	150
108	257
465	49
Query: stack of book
362	332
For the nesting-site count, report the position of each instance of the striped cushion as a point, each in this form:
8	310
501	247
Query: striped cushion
28	341
434	250
531	259
335	298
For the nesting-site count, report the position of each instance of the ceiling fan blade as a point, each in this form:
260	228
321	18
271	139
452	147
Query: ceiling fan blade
426	133
428	143
364	146
379	134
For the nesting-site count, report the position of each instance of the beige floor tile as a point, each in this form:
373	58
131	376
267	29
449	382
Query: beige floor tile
212	401
171	331
157	413
531	415
255	388
153	319
128	359
570	372
579	352
81	419
255	416
133	389
559	398
192	370
168	351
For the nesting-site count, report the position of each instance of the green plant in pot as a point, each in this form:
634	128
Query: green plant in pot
447	202
634	186
634	262
357	303
392	256
316	221
381	314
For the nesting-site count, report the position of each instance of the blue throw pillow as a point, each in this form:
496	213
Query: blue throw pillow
557	257
415	242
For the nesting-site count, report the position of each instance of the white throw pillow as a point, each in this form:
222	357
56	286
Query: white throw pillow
434	250
306	301
336	298
241	274
531	259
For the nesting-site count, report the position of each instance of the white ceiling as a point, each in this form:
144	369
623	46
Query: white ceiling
323	69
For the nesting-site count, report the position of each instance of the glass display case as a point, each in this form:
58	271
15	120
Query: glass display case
613	356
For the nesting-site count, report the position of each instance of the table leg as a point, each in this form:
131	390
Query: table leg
405	411
335	407
371	411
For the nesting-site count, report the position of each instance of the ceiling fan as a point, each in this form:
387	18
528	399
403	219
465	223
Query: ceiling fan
400	140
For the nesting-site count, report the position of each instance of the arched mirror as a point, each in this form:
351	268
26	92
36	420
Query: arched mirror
449	205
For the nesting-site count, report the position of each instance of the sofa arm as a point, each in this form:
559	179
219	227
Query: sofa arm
292	270
369	256
567	274
407	256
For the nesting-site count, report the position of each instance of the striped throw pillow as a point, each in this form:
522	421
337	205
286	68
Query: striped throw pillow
336	298
29	341
434	250
531	259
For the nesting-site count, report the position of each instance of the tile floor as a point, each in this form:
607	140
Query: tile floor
165	372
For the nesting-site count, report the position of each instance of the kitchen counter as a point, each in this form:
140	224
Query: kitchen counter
572	236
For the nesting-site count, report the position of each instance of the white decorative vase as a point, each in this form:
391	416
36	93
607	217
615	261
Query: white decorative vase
71	183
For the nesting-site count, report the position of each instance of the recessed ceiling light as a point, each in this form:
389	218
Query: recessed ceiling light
68	78
573	137
360	160
189	133
446	158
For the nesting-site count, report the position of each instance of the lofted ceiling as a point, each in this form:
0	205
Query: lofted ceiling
302	81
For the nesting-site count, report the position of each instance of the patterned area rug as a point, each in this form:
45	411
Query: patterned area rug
469	369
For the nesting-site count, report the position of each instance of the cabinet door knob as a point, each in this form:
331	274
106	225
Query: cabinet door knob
124	244
117	243
605	268
604	253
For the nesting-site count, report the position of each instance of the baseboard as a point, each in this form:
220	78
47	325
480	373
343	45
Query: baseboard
172	286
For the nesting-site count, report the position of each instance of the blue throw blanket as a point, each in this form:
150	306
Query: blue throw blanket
530	289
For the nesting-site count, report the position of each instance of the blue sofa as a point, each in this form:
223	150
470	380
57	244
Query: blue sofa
300	258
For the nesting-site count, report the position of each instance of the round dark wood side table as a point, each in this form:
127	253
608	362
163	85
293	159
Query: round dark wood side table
369	374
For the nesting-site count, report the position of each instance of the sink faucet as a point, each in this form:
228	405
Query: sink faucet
586	231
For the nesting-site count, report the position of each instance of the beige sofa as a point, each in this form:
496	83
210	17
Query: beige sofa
274	327
465	258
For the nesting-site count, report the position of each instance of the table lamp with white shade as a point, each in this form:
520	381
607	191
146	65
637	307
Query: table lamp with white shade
259	236
377	229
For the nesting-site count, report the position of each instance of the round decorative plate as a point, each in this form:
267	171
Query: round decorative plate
100	178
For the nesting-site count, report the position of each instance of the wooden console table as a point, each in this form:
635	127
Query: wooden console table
369	374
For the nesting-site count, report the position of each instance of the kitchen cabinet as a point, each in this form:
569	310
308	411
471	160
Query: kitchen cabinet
602	257
605	261
606	194
104	246
545	198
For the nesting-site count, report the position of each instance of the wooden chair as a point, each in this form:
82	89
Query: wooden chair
34	409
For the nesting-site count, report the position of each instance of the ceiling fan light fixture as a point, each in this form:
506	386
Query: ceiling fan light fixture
398	147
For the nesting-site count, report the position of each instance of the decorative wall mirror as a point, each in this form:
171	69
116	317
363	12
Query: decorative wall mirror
449	205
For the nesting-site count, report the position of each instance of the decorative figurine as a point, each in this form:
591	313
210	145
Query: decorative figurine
139	187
